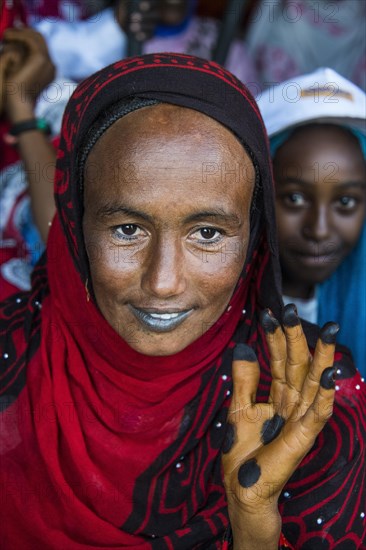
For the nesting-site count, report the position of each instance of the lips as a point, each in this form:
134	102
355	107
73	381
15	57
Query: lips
160	321
318	259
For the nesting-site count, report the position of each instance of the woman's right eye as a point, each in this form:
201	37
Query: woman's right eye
128	232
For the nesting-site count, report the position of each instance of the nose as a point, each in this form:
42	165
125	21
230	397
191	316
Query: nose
164	273
317	224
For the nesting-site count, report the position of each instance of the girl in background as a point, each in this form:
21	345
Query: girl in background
317	130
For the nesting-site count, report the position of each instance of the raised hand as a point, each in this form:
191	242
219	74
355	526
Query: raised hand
265	442
10	60
29	75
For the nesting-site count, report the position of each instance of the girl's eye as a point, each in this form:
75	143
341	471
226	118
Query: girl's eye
128	231
347	202
296	199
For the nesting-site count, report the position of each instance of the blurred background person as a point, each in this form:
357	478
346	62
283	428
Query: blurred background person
317	129
31	109
84	36
288	38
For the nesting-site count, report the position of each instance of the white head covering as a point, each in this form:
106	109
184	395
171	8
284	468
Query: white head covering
321	96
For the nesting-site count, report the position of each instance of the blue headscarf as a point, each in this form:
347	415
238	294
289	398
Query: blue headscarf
342	297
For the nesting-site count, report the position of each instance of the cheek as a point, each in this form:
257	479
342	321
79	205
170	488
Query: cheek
218	275
109	264
350	231
288	225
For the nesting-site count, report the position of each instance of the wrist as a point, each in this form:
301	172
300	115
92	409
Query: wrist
18	110
258	530
19	106
25	126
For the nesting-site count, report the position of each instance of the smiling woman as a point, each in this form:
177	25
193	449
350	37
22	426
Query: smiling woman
169	410
167	229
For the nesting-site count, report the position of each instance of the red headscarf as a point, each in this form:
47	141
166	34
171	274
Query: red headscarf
103	447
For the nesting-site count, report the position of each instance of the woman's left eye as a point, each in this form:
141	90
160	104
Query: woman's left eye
207	235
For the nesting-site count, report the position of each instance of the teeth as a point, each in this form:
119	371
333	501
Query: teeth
166	316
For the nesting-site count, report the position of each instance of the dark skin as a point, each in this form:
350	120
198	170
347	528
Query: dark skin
320	176
181	244
156	225
142	21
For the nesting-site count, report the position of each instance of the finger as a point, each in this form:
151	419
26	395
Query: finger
29	38
297	438
322	408
276	342
298	355
245	372
10	60
323	358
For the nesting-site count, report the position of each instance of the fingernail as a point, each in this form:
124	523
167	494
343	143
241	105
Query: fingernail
242	352
328	378
328	333
290	317
268	322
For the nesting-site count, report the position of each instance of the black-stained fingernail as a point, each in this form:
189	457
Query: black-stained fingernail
328	378
242	352
249	473
229	438
271	428
328	333
269	322
290	317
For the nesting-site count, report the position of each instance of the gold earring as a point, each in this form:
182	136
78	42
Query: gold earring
87	291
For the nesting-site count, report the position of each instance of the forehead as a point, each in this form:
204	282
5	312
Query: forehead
169	149
170	138
319	146
323	137
167	121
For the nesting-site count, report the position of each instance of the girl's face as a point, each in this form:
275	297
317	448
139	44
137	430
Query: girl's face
166	225
320	177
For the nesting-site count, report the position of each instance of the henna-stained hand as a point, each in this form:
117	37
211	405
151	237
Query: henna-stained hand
265	442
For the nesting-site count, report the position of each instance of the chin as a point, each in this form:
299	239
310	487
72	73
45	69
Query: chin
158	349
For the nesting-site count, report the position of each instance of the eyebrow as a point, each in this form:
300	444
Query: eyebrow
113	209
218	214
344	185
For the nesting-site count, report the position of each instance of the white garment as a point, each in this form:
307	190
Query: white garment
80	48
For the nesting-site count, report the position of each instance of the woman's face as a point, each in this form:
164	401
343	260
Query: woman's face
173	12
166	225
320	177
